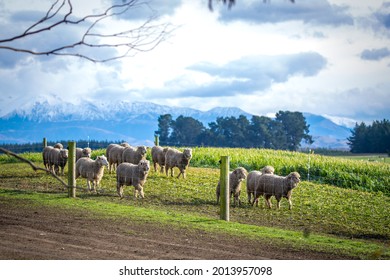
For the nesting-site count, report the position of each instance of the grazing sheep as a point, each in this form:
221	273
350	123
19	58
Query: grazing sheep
57	159
92	170
175	158
128	174
235	179
158	157
114	155
45	156
278	186
134	155
252	177
86	152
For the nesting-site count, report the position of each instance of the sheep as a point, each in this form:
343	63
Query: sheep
158	157
128	174
278	186
45	155
57	158
252	177
58	146
114	155
92	170
175	158
86	152
134	155
235	179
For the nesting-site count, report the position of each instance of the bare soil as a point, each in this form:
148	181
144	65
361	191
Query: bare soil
35	232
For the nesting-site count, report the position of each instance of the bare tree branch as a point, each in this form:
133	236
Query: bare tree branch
124	43
34	167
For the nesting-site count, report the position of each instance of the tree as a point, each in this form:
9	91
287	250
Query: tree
373	138
186	131
164	128
122	43
295	128
260	132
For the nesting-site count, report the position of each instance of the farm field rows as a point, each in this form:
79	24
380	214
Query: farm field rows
326	203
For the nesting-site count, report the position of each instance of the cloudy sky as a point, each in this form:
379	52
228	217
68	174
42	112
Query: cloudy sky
329	57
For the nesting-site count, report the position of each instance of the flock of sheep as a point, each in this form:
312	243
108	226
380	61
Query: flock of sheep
132	168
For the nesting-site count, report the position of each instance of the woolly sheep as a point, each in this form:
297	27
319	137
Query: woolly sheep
235	179
114	154
158	157
128	174
86	152
92	170
45	156
57	158
175	158
58	146
134	155
278	186
252	177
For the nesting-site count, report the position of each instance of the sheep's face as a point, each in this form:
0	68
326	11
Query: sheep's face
141	150
240	174
64	153
102	160
187	153
268	170
294	178
144	166
87	152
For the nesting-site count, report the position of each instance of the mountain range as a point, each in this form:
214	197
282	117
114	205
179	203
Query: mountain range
134	122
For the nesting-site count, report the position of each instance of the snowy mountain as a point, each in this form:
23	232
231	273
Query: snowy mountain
133	122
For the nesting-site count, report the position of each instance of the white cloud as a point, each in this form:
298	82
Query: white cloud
263	58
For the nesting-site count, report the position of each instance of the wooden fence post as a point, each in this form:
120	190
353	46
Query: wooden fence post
225	190
72	169
44	142
156	140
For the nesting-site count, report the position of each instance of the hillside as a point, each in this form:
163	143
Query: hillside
131	122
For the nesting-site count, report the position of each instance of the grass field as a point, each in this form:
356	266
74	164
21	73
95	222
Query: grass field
331	210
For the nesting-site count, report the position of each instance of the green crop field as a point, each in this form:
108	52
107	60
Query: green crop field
338	199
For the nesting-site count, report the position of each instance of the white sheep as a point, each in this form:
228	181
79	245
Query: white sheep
134	155
57	159
45	156
158	157
273	185
252	177
175	158
86	152
235	179
58	146
92	170
128	174
114	155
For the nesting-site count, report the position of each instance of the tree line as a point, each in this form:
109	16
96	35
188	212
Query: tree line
374	138
285	132
38	147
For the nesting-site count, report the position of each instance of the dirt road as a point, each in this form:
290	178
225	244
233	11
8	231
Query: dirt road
31	232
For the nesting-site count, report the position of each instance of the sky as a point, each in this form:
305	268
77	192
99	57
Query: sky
328	57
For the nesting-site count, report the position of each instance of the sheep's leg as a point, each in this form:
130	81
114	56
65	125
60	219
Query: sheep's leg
94	183
162	169
155	166
268	201
88	185
289	203
119	189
